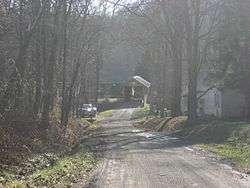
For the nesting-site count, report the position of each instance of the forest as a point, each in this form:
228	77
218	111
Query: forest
55	54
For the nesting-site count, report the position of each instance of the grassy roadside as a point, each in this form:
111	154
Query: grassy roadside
105	114
62	172
54	168
60	160
141	113
94	124
230	140
238	155
107	100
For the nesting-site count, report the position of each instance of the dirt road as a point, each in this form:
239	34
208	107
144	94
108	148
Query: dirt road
135	159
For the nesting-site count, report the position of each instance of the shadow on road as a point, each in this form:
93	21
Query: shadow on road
119	135
120	104
137	159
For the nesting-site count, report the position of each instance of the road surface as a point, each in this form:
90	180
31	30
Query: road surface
137	159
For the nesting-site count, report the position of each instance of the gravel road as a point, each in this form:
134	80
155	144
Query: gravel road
137	159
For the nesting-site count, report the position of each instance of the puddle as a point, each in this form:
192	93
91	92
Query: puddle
136	131
189	149
146	135
157	136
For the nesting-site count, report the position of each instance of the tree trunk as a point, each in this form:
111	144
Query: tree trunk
64	63
177	79
192	48
247	106
50	67
68	106
38	79
97	79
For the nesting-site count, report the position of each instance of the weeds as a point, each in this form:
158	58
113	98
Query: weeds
141	112
62	173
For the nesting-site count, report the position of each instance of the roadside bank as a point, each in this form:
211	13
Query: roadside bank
228	139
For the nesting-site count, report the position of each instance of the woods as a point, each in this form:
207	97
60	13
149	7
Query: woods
53	52
57	55
181	43
47	46
45	49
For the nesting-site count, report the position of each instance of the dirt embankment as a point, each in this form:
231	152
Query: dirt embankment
166	124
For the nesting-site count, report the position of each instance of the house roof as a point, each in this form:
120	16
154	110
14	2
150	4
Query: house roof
142	81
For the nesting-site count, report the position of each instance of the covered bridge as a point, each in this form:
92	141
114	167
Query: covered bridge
137	87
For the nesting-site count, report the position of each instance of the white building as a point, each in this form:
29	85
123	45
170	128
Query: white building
216	101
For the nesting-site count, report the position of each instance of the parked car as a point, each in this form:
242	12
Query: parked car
87	111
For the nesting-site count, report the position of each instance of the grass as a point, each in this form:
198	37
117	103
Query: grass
141	113
107	113
230	140
240	155
63	173
109	100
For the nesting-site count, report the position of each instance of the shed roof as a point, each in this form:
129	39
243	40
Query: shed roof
142	81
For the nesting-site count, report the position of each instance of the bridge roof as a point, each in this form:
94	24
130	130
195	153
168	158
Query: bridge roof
142	81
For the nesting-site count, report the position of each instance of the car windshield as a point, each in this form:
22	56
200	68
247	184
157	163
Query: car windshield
87	106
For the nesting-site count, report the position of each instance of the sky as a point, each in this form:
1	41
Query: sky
96	2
